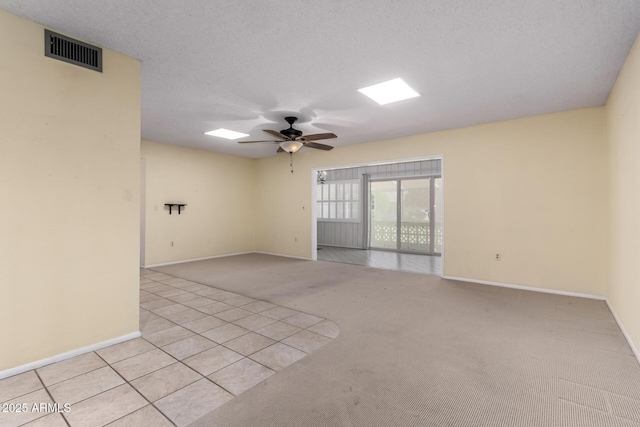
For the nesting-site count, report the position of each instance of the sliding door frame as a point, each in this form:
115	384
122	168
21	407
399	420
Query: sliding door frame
432	212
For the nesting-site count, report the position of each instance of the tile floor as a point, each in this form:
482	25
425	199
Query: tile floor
200	347
417	263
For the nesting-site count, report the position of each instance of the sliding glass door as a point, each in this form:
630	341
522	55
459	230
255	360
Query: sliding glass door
405	215
416	212
384	214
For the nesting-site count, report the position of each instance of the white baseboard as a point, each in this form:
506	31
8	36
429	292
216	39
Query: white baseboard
221	256
282	255
69	354
526	288
195	259
624	332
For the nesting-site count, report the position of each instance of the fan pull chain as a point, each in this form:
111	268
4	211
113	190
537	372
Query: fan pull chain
291	161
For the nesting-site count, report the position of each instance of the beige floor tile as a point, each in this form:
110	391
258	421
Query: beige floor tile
70	368
241	376
208	291
200	301
204	324
171	292
168	336
278	331
302	320
157	276
186	316
225	333
188	347
106	407
239	301
327	328
146	416
306	341
172	281
278	312
19	385
233	314
170	309
159	287
155	325
182	298
249	343
278	356
223	296
215	307
146	315
124	350
254	322
212	360
192	402
148	297
86	385
258	306
165	381
145	281
11	419
145	363
148	283
51	420
190	286
156	304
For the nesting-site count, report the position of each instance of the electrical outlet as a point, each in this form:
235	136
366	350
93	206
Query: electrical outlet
171	244
498	256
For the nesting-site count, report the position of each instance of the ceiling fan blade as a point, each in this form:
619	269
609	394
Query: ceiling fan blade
276	134
318	136
280	150
250	142
318	146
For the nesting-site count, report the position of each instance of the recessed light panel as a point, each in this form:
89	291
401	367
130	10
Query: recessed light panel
390	91
226	133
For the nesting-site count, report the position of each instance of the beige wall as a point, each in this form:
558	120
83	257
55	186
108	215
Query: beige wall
69	150
221	210
531	189
623	149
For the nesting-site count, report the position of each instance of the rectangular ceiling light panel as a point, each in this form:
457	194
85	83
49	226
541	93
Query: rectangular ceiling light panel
226	133
390	91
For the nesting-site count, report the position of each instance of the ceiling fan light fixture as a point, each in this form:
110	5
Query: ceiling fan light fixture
389	91
226	133
291	146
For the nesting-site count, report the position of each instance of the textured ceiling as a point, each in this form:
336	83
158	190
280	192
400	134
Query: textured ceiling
244	65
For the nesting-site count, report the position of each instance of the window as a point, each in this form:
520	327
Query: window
339	201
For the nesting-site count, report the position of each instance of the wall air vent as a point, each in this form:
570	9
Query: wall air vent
72	51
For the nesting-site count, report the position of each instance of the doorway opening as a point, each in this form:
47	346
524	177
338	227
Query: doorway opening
383	215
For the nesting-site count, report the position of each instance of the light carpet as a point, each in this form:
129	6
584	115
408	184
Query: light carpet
417	350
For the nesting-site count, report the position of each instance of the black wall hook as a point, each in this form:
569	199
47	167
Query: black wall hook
179	205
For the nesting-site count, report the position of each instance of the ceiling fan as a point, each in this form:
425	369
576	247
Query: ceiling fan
291	140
